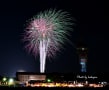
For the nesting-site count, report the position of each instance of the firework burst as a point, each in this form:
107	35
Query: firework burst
46	32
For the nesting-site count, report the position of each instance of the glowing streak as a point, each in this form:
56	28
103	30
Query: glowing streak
43	52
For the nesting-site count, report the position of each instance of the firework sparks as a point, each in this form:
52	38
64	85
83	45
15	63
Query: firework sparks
46	32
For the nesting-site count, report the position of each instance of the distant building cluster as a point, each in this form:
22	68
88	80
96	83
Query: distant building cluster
31	79
42	80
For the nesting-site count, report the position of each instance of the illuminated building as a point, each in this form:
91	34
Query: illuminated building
28	76
82	52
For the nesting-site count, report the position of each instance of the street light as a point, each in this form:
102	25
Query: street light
11	81
48	80
4	79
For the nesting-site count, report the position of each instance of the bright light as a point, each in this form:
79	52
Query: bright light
83	49
48	80
71	85
11	81
4	79
80	85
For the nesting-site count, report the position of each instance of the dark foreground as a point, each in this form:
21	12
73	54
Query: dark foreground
44	88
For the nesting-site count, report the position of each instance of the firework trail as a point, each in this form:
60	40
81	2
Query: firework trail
46	32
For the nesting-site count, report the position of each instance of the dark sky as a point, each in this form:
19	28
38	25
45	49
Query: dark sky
91	29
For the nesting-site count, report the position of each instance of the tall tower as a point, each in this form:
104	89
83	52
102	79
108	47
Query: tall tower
82	52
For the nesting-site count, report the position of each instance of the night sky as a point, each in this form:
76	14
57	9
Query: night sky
91	30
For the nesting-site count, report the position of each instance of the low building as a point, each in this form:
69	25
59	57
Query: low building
24	77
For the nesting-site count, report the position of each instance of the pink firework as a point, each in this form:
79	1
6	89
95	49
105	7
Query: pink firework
46	33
